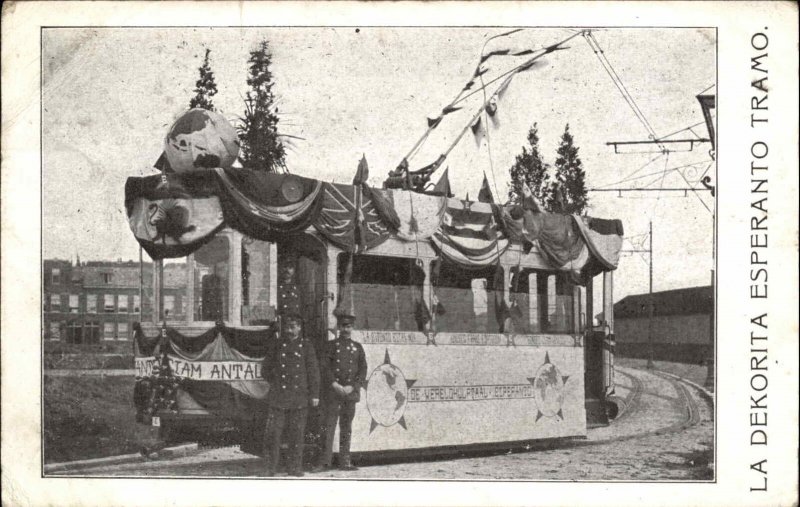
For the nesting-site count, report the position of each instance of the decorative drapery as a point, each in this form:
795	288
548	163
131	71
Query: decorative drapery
173	215
469	234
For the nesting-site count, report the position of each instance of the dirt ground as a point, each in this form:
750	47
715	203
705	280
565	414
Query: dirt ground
644	445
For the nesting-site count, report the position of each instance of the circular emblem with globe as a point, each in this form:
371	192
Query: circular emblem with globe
548	390
387	394
201	139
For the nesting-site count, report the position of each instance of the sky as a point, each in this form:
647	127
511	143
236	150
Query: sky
109	96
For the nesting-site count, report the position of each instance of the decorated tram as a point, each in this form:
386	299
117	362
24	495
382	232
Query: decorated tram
476	318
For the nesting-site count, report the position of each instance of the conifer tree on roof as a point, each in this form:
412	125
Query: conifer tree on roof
205	87
261	148
529	169
569	193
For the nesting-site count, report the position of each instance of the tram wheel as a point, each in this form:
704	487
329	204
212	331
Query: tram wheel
612	409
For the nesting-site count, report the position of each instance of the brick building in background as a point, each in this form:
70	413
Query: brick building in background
682	325
92	306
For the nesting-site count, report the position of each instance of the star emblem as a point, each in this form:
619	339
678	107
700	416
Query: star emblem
387	395
548	385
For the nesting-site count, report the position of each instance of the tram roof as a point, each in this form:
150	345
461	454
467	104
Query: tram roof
172	215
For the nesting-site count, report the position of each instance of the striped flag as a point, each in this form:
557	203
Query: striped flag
469	234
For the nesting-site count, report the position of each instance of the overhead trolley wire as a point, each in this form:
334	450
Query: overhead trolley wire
626	95
623	180
710	87
689	128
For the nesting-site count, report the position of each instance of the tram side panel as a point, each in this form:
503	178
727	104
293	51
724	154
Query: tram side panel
468	389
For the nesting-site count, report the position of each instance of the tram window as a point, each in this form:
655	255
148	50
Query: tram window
256	307
466	300
169	306
211	266
541	302
387	292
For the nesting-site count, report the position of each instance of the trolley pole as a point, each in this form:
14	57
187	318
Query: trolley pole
650	307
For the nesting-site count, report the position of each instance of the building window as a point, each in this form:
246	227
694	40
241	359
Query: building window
75	333
386	290
108	303
55	302
169	305
107	278
55	276
136	304
91	332
108	331
122	303
55	330
91	303
74	307
122	331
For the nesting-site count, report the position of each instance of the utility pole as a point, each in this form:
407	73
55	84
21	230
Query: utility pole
650	307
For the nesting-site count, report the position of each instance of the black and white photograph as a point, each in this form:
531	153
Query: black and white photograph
289	254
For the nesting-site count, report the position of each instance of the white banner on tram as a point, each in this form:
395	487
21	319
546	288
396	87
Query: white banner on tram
476	339
203	370
430	395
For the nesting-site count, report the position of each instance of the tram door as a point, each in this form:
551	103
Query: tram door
302	272
594	378
302	269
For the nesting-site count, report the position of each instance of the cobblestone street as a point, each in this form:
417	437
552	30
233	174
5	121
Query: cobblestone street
665	433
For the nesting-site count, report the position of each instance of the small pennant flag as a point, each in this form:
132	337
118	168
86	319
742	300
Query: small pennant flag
528	201
529	65
478	130
362	174
449	109
500	91
443	185
498	52
491	107
162	164
434	122
479	71
485	195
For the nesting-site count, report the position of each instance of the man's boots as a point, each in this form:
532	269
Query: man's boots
345	464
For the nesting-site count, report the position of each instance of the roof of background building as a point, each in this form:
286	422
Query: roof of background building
687	301
126	274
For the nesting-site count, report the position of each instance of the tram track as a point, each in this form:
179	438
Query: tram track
633	397
685	403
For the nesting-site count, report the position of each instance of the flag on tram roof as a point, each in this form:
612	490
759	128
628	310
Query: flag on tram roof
362	174
443	185
485	194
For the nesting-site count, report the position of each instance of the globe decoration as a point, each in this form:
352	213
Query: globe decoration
548	390
387	394
201	139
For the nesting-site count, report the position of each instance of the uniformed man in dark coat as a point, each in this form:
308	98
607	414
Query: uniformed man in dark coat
344	371
291	369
